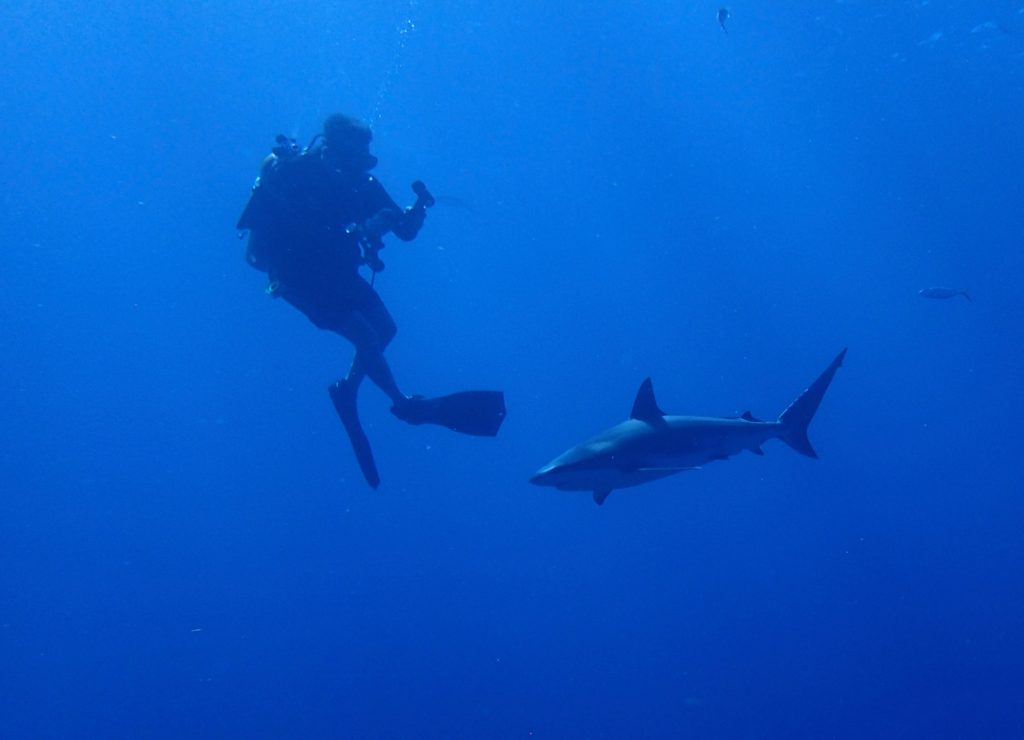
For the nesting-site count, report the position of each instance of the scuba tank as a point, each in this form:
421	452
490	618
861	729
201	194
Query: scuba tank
257	252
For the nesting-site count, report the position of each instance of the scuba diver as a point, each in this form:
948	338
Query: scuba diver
315	216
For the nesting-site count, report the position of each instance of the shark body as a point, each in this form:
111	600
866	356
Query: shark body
651	445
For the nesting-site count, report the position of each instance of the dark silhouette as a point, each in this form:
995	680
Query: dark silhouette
943	293
316	216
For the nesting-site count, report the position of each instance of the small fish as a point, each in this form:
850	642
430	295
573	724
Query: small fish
723	16
943	293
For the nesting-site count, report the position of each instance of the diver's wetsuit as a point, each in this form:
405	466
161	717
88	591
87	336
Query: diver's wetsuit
312	260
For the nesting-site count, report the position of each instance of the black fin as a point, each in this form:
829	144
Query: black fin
479	413
344	400
645	408
749	416
600	496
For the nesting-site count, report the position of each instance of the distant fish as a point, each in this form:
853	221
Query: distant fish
943	293
723	16
991	26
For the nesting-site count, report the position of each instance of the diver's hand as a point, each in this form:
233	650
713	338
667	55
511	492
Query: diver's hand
413	217
379	223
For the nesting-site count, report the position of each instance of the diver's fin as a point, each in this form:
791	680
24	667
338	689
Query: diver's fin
479	413
344	399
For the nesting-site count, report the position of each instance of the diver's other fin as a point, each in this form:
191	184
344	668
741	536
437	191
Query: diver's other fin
344	399
479	413
600	496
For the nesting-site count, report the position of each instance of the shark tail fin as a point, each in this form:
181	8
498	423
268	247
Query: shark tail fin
797	417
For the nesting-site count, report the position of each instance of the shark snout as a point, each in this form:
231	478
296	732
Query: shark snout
544	476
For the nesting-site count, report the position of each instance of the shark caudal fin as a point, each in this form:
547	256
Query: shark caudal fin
797	417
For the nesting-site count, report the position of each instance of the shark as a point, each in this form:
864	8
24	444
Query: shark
651	445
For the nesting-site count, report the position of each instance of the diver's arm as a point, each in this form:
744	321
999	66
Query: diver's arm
403	223
409	222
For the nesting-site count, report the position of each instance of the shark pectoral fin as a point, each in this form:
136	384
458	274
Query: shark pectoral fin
600	496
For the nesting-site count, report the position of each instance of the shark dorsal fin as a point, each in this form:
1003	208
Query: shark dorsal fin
645	408
749	416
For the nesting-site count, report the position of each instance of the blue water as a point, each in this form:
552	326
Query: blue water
187	548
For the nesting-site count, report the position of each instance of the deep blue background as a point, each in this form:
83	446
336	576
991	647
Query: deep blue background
186	546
